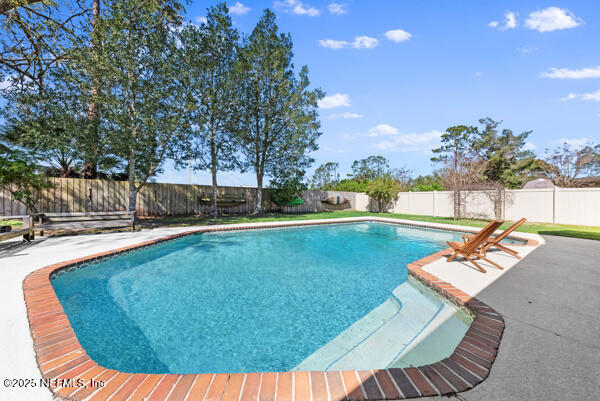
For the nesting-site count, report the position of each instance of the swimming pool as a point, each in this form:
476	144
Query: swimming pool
260	300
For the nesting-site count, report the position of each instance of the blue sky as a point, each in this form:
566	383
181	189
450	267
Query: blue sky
398	73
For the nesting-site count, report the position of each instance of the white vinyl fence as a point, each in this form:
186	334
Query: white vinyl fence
579	206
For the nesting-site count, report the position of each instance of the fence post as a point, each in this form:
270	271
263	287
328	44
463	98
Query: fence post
434	196
554	203
408	203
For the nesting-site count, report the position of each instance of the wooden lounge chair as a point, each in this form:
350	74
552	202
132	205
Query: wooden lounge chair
474	246
494	241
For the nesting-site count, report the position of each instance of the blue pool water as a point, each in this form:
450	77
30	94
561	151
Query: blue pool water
257	300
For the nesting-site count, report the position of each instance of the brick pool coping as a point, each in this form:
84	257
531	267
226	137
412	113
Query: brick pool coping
61	357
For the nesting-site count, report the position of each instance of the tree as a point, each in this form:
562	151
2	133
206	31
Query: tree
277	120
287	185
461	166
402	177
506	159
209	54
426	183
43	124
326	176
370	168
36	37
351	185
92	152
140	92
19	175
565	164
383	190
8	5
50	122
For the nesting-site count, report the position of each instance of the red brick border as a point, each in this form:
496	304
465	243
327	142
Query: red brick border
60	357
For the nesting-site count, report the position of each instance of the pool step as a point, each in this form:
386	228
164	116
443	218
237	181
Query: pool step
389	331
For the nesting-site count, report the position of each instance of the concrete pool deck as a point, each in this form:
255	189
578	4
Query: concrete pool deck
550	349
16	344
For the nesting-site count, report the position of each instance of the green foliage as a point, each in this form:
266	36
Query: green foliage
208	55
325	177
425	183
370	168
140	93
287	186
456	143
351	185
48	121
383	190
19	175
506	160
277	116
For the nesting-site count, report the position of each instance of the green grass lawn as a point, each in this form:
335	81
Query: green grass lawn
12	223
538	228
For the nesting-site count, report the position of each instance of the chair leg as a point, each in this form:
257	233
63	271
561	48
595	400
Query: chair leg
452	257
481	269
507	250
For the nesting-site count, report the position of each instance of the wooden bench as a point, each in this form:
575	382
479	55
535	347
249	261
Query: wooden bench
84	220
26	231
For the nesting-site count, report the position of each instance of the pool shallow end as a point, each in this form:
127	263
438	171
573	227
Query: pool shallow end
59	354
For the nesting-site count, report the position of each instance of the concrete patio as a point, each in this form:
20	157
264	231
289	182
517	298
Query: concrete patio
550	348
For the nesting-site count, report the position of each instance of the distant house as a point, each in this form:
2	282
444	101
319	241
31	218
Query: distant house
539	183
583	182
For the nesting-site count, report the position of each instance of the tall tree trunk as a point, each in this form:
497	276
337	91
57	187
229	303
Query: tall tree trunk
213	209
132	188
90	168
259	186
213	170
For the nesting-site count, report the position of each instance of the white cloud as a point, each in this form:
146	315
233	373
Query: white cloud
336	100
364	42
333	44
478	74
565	73
529	146
591	96
411	142
238	9
510	22
383	130
552	19
348	137
360	42
346	115
296	7
201	20
337	8
398	35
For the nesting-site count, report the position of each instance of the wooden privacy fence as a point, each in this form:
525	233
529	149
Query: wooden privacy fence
155	199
